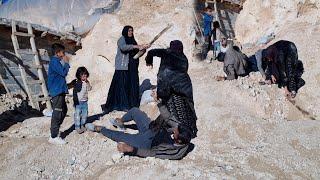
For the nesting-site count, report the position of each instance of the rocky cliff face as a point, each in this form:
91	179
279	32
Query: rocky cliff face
262	17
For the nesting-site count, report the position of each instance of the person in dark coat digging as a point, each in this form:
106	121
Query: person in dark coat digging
283	67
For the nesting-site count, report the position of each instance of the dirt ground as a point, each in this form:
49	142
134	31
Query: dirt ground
246	131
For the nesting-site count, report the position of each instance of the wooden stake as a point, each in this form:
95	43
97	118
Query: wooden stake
22	70
37	63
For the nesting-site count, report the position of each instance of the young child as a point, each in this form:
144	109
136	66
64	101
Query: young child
217	38
57	86
80	99
207	28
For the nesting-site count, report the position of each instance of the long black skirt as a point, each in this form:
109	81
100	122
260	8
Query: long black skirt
124	89
133	83
118	95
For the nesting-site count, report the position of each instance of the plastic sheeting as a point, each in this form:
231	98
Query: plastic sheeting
63	16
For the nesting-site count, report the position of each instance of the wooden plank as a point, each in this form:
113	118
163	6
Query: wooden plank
27	51
33	82
36	66
216	10
24	80
37	99
37	63
23	34
22	70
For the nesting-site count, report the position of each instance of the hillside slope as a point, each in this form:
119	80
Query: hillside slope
246	131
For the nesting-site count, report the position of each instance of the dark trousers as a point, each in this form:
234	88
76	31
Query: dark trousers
60	109
291	70
143	139
207	47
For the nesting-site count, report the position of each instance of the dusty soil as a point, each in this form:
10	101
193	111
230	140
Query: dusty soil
246	131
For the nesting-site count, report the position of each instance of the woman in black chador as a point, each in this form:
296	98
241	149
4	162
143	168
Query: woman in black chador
124	89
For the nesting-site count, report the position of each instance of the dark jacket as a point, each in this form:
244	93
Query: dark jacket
283	62
174	88
172	75
163	151
57	74
163	147
76	89
183	113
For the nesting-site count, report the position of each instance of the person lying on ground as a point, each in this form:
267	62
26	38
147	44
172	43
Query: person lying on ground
235	64
163	143
80	99
58	88
174	87
283	67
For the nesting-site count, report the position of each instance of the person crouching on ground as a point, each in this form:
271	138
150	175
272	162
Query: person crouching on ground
151	141
235	64
283	67
57	86
80	99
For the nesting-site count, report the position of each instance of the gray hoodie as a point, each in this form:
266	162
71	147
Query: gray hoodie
122	59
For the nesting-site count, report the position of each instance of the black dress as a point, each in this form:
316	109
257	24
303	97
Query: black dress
124	89
133	79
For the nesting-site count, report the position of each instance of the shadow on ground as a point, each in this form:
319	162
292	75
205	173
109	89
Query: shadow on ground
18	114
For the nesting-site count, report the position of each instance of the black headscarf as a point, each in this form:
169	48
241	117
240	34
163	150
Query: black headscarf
271	53
176	46
129	40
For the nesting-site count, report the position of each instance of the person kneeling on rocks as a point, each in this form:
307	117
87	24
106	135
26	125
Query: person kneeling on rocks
153	140
235	64
283	67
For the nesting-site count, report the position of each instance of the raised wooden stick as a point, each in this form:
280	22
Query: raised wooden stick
140	53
